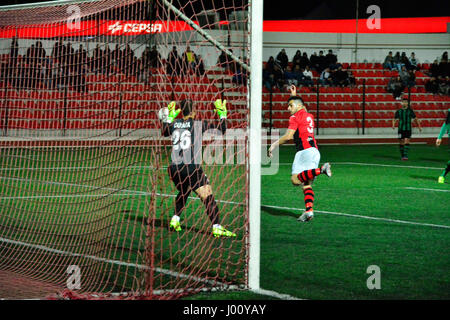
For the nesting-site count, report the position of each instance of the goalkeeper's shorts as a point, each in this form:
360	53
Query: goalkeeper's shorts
187	177
305	160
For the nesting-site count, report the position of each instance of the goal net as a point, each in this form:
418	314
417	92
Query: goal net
85	195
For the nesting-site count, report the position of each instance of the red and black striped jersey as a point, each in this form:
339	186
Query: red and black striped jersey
303	124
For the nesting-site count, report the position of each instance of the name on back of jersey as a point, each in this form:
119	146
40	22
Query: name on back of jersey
181	125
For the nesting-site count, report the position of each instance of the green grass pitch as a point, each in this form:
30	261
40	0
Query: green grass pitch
375	210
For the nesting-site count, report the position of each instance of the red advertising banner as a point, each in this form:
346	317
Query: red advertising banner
384	25
131	28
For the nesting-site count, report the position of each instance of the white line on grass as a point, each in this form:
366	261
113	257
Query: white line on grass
364	217
425	189
372	164
143	193
275	294
117	262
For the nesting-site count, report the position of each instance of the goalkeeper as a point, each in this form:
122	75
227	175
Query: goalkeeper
185	169
445	128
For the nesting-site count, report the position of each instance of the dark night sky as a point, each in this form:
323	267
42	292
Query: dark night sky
329	9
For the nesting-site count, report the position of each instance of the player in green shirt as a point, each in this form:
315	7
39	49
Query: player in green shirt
404	117
445	128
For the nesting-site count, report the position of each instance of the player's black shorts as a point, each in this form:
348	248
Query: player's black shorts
404	134
187	176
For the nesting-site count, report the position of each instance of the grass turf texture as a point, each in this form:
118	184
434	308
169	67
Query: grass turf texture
324	259
328	258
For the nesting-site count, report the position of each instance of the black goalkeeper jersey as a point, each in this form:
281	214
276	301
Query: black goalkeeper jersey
187	139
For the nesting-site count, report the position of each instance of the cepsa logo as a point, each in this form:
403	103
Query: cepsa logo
119	28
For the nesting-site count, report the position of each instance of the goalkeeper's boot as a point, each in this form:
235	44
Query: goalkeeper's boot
326	169
219	231
175	223
441	179
306	216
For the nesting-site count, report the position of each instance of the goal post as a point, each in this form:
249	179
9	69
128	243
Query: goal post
256	31
86	195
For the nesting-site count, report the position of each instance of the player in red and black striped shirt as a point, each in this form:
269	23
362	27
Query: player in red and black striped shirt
306	162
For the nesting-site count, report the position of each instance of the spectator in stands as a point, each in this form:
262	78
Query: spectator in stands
396	87
351	78
304	61
443	68
106	61
397	61
278	75
432	85
445	56
331	60
222	60
411	78
433	71
268	79
173	62
414	61
40	52
405	61
444	86
30	55
154	57
57	51
145	58
291	77
314	62
323	63
325	77
282	59
296	60
341	77
188	60
117	56
298	73
269	65
97	56
240	75
128	60
308	77
199	66
404	76
14	52
389	61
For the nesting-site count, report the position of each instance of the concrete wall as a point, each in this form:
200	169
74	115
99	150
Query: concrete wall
358	48
370	47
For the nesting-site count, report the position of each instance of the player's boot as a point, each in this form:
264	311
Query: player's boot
326	168
219	231
175	223
306	216
441	179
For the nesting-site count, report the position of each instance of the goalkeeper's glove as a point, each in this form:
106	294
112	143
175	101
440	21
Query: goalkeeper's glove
221	108
173	113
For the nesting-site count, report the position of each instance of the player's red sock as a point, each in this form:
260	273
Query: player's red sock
308	175
309	198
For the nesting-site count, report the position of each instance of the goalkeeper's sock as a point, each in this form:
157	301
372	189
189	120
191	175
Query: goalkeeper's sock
180	202
308	175
211	209
309	198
